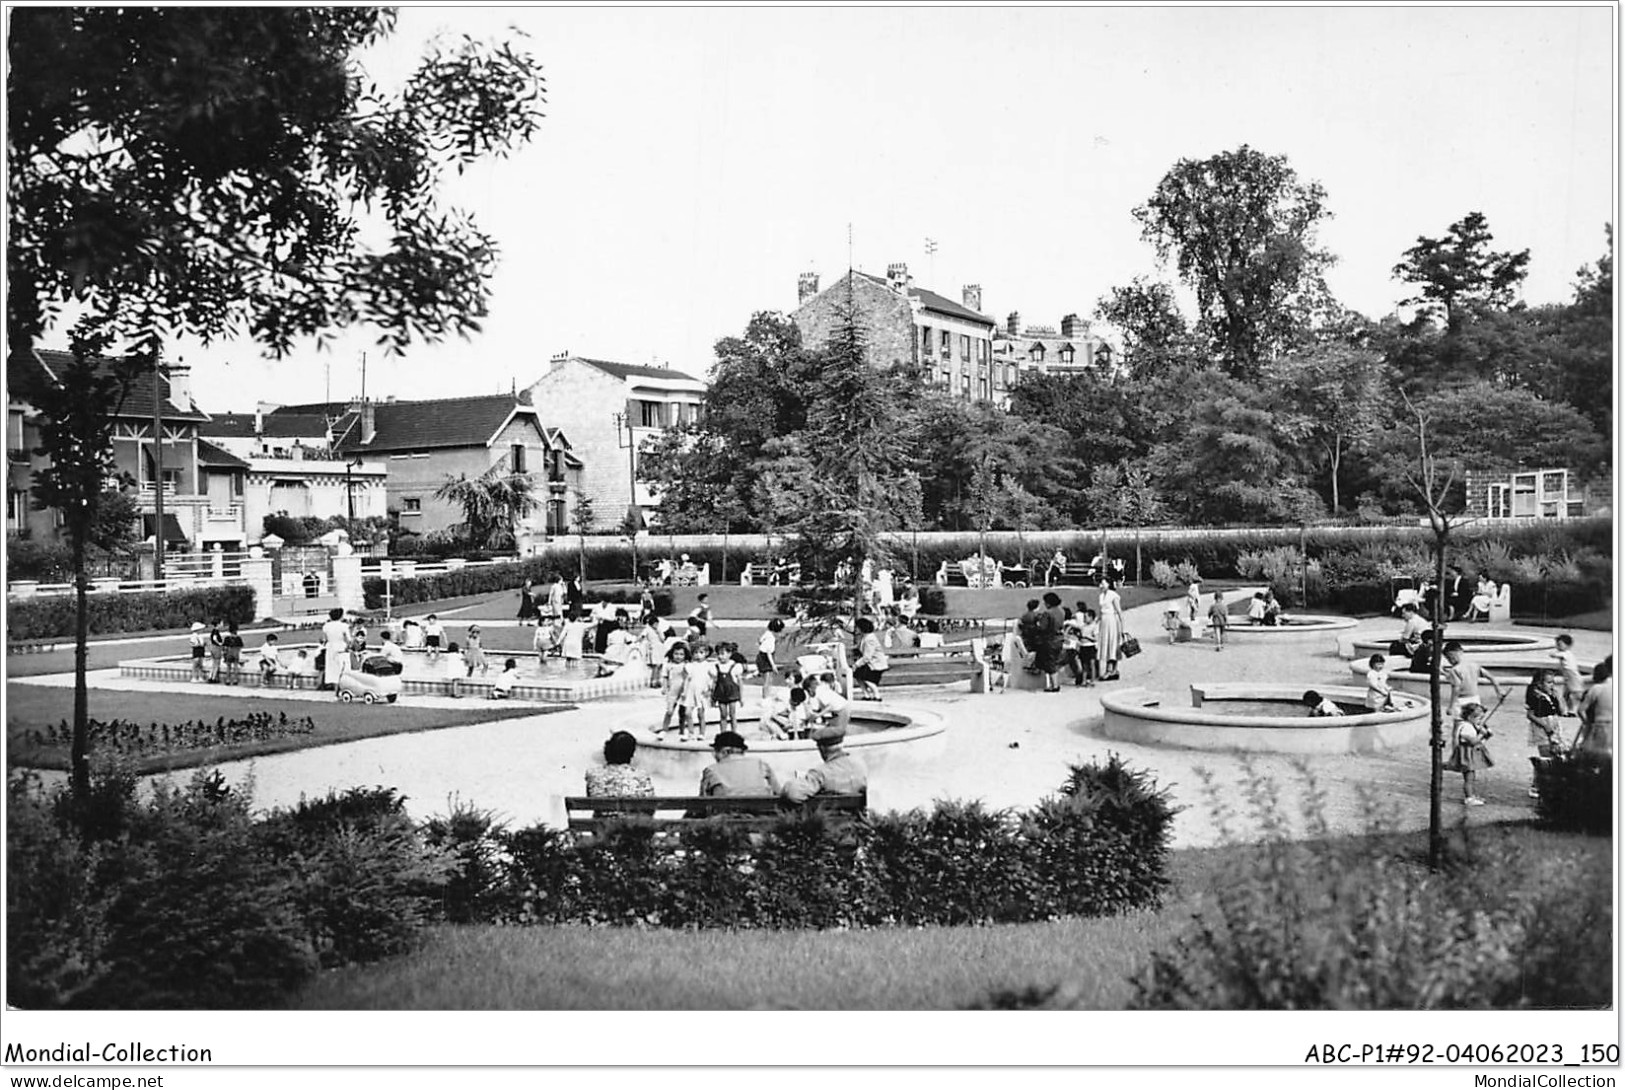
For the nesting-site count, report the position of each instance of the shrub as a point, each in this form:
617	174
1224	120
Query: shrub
367	880
1099	847
1186	571
125	737
1250	565
1352	923
1576	792
53	616
1163	575
477	889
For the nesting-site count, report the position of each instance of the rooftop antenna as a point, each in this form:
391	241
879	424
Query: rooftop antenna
363	377
931	253
848	245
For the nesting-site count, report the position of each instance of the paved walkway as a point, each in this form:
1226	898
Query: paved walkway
1008	749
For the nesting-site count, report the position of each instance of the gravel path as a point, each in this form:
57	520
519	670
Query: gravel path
1008	749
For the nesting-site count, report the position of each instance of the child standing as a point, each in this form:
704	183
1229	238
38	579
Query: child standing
728	688
699	689
1170	624
474	654
1469	753
301	666
572	639
433	636
232	654
455	666
543	642
767	665
672	677
1218	617
1379	695
217	650
1543	706
198	641
1089	645
1573	687
1255	609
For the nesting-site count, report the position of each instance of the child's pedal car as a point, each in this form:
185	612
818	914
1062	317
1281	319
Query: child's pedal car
378	679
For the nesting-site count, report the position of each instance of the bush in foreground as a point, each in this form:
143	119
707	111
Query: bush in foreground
1360	923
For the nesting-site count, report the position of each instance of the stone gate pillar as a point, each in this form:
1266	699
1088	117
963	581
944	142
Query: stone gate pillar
257	574
347	582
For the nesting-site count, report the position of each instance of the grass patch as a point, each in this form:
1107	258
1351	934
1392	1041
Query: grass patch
31	706
1091	962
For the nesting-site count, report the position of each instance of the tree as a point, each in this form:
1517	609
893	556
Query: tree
1459	272
1432	482
1340	394
1241	227
585	518
848	478
492	503
221	172
1148	317
1231	462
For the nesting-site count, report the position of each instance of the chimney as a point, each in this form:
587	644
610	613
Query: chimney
1012	324
973	297
1073	326
259	419
558	360
806	287
180	384
897	276
369	426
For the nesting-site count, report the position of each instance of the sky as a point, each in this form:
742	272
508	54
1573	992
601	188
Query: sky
695	161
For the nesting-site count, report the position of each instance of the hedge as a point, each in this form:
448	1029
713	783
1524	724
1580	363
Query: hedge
1097	848
484	580
187	900
52	616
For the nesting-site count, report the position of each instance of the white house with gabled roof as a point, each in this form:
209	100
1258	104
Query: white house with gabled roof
611	411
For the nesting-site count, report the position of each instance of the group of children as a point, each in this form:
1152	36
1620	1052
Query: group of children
697	677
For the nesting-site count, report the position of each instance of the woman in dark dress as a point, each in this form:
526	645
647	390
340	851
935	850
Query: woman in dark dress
1047	649
527	605
574	595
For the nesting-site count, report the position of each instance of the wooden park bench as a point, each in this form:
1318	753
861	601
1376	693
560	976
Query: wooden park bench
939	666
30	647
589	813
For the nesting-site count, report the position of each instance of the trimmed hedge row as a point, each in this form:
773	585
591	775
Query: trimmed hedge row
1098	848
53	616
485	580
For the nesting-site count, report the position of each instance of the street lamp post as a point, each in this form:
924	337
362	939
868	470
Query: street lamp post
631	446
157	472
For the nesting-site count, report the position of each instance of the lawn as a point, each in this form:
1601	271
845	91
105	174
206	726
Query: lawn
31	706
1093	961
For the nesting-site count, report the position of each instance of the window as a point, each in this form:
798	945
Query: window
964	386
1067	354
964	346
1500	501
925	340
981	389
981	351
948	379
237	486
14	510
516	458
411	505
649	414
947	345
1036	353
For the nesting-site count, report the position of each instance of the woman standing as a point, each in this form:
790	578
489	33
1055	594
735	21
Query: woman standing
1047	654
574	596
1193	608
527	605
1111	628
336	645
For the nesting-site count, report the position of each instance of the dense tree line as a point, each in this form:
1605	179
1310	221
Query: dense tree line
1272	403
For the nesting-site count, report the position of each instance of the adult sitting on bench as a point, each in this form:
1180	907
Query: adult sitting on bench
840	774
734	773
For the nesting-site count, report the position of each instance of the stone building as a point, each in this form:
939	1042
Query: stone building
1072	349
611	411
952	343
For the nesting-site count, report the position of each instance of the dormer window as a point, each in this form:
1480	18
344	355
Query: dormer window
1036	353
1067	354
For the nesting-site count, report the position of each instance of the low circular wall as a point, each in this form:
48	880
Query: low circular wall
1512	669
1141	716
1476	644
1293	626
882	735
